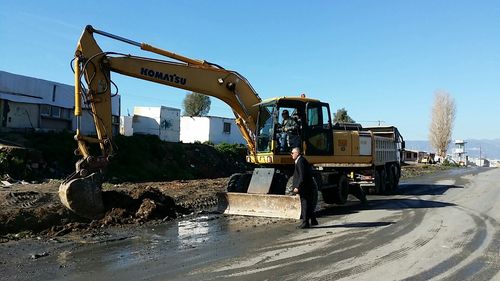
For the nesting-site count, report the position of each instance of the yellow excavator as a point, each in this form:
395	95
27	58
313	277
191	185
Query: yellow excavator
344	156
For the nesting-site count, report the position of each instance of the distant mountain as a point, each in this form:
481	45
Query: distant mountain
489	149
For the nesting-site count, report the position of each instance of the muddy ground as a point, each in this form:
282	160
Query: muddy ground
35	209
28	210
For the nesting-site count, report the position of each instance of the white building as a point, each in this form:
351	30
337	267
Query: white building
126	128
31	103
459	153
482	162
161	121
210	129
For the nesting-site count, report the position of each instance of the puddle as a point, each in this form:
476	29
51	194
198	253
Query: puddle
193	232
175	247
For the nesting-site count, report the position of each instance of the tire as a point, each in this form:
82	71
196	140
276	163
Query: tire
289	186
233	182
392	179
398	175
316	185
327	195
243	183
337	195
342	191
315	193
279	184
380	181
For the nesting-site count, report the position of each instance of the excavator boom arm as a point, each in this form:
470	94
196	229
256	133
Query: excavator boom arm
93	84
189	74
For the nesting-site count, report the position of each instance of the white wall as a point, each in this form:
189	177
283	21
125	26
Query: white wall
170	124
161	121
126	128
209	128
194	129
23	115
217	134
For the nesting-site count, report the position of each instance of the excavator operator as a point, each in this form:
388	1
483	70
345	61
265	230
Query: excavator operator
289	136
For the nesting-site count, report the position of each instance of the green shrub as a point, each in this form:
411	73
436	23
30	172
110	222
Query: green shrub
233	150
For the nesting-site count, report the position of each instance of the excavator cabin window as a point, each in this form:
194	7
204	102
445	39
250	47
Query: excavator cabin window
265	128
288	129
279	128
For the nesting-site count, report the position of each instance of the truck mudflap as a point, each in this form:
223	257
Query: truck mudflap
261	205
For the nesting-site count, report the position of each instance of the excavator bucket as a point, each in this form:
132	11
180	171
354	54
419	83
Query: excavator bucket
257	201
261	205
83	196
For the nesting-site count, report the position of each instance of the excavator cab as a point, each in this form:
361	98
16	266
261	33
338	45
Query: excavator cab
279	127
289	122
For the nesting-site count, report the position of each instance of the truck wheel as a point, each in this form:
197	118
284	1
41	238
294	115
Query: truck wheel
398	174
380	180
392	181
327	195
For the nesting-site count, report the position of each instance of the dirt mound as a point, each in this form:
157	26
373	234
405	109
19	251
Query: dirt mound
140	158
139	205
28	209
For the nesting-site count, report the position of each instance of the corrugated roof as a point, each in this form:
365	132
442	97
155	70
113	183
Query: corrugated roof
25	89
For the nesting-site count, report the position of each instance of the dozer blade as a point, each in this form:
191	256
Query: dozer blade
83	196
261	205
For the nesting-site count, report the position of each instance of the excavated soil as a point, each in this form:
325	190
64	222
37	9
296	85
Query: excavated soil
34	209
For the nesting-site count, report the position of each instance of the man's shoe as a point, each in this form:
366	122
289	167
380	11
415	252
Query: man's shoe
314	221
303	225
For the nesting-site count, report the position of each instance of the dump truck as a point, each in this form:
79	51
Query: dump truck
343	155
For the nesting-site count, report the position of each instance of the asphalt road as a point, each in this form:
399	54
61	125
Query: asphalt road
445	226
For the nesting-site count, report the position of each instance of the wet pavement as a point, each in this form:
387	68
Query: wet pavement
442	226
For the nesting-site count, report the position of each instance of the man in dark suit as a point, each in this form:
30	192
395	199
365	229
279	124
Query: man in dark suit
304	186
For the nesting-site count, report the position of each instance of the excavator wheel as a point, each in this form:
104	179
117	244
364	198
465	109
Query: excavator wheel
83	196
233	182
342	191
239	182
338	194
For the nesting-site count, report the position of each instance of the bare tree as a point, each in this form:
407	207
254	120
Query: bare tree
443	117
